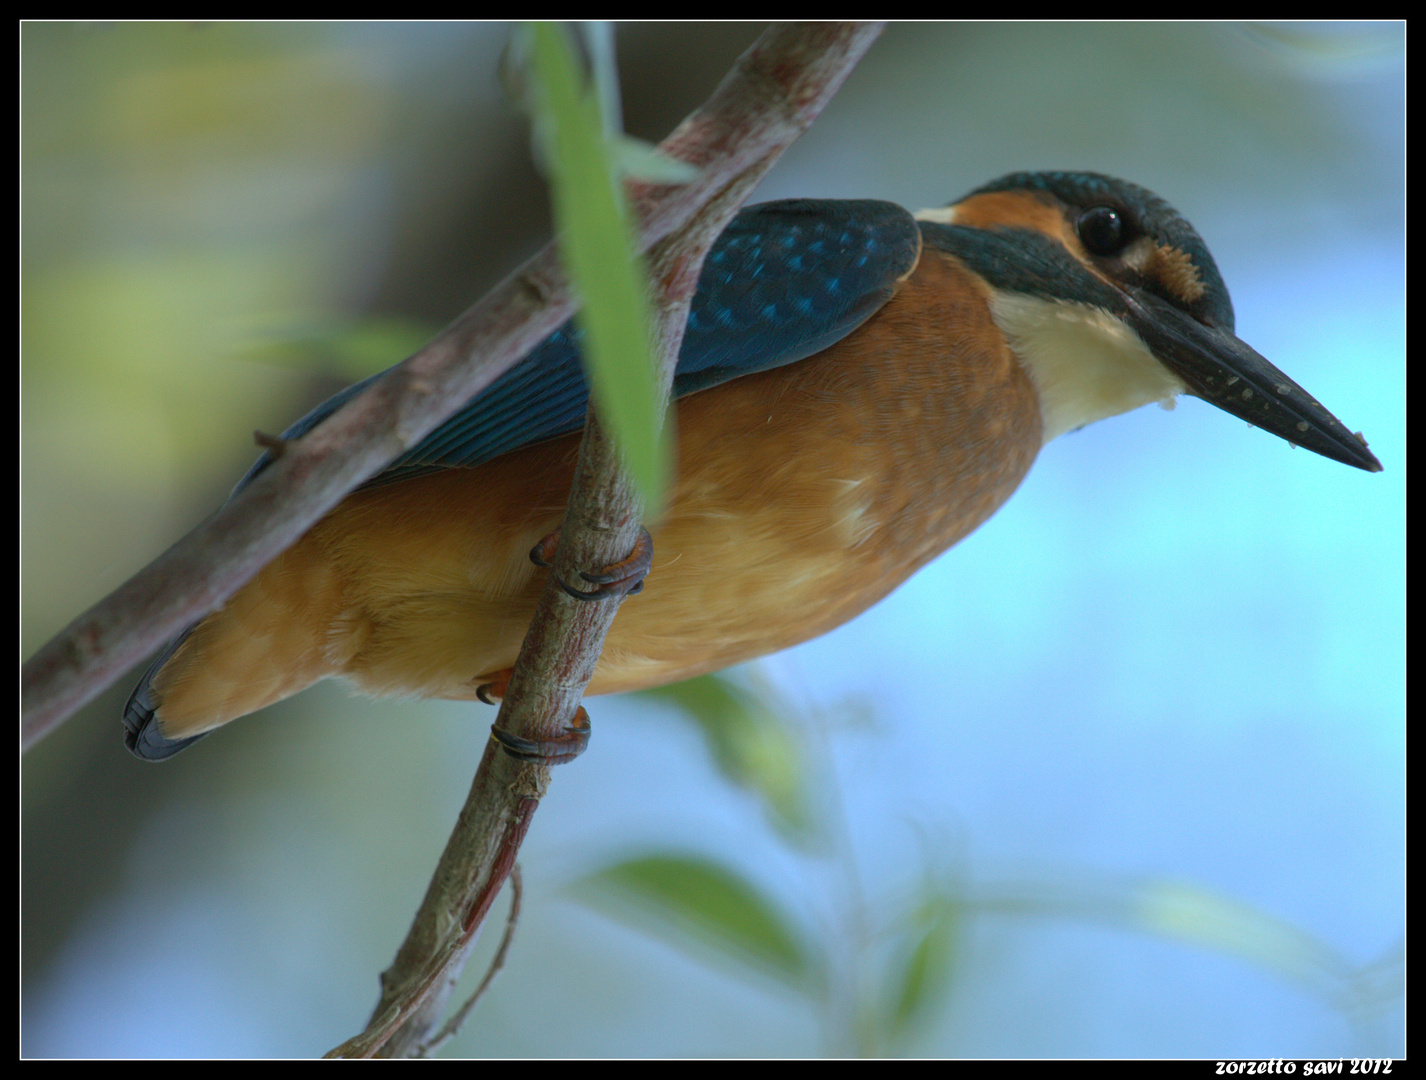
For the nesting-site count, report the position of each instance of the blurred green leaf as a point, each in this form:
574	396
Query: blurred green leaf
1187	912
754	747
709	902
1195	914
919	986
597	244
645	161
348	351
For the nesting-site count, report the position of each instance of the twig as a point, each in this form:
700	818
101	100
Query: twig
452	1026
771	96
776	89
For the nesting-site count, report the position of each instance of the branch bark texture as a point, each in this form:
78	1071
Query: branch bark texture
776	89
772	94
601	525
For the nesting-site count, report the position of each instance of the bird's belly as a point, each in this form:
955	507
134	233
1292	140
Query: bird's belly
804	495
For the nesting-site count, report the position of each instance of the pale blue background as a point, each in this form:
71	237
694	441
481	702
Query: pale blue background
1176	653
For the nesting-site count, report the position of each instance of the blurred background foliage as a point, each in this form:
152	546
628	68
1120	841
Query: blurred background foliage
1121	775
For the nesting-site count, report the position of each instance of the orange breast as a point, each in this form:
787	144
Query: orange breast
804	495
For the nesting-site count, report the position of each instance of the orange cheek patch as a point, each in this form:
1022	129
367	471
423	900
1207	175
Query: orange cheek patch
1011	209
1174	270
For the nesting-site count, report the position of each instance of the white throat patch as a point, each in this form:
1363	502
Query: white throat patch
1084	362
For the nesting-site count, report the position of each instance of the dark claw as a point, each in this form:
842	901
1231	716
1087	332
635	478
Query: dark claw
543	553
623	578
592	594
554	751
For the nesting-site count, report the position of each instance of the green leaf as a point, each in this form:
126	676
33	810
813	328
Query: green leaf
706	901
645	161
920	985
350	349
755	747
1198	915
597	245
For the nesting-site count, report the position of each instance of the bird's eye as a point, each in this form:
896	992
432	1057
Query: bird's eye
1101	230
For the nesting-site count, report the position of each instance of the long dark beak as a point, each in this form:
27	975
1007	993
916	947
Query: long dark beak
1220	369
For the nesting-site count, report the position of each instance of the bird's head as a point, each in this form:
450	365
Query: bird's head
1111	300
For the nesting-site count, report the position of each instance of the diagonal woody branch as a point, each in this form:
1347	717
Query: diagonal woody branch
554	666
565	637
772	94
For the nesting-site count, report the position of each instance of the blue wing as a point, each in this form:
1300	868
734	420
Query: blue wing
783	281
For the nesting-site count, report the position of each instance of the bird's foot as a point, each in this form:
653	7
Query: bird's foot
551	751
492	688
623	578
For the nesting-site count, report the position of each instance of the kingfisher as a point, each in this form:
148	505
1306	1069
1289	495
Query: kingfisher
859	387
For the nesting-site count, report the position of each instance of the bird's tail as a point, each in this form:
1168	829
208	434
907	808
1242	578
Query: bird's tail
275	636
